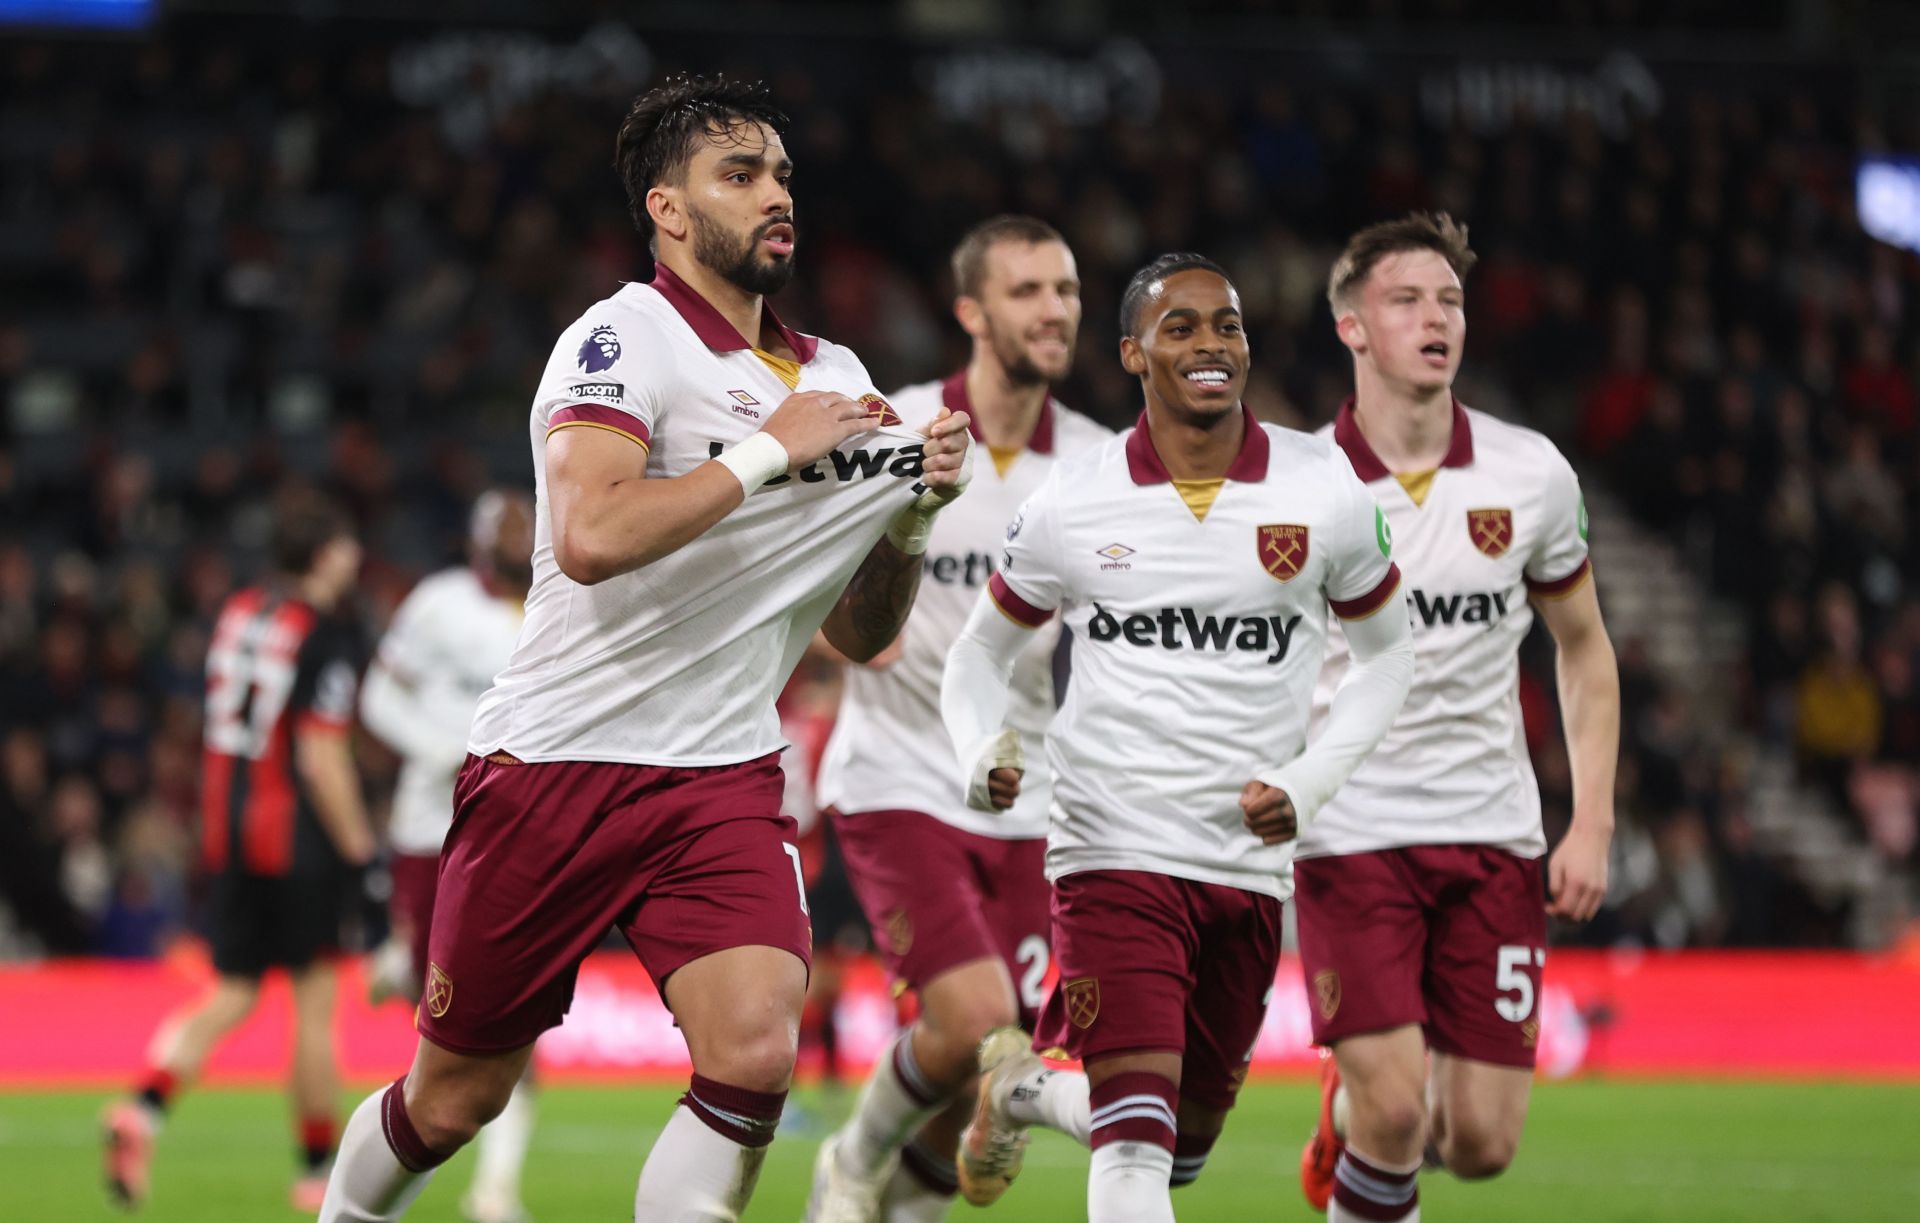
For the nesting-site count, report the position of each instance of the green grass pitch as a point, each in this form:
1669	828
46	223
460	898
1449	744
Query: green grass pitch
1594	1151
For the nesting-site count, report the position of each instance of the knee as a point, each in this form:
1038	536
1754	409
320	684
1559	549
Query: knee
758	1057
448	1115
1393	1119
950	1036
1474	1152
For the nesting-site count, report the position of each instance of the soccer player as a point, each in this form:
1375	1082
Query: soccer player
453	633
712	487
1196	558
1421	905
956	898
283	820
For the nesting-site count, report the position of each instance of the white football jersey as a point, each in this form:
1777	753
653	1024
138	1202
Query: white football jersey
890	750
1501	520
1195	642
449	638
679	662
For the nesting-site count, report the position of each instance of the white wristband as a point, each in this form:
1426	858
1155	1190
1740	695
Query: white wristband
755	461
912	528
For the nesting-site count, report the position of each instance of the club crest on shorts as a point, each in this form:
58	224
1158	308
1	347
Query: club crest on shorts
880	409
1082	997
899	932
1491	530
1326	992
1530	1033
1283	548
438	995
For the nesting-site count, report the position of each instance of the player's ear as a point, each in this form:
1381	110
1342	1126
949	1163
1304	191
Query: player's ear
663	205
972	319
1352	332
1133	358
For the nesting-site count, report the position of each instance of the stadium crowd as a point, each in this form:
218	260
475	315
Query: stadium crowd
228	270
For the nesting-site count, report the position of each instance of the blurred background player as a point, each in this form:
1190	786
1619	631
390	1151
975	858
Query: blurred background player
1419	889
284	827
1179	779
956	898
625	768
452	635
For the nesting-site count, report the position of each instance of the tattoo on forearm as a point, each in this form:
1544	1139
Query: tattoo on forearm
880	595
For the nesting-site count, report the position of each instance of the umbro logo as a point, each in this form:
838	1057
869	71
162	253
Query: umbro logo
1116	556
744	404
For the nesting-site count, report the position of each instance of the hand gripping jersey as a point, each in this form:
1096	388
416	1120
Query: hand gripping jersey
678	663
889	750
1195	642
1501	519
448	640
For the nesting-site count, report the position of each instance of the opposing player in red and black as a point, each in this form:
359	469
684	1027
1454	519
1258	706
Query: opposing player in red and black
283	826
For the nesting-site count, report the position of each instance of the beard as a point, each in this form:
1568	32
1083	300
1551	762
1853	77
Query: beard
739	261
1020	366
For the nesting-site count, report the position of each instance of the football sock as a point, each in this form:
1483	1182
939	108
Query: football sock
1057	1099
707	1159
316	1142
503	1145
897	1100
1190	1153
1133	1140
1129	1183
921	1188
156	1092
1368	1189
382	1164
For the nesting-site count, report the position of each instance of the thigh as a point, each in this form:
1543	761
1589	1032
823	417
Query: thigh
1487	955
739	1009
1017	906
1233	982
1479	1103
1125	946
728	874
921	892
534	872
1363	937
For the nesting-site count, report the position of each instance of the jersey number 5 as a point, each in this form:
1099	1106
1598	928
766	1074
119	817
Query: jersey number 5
1510	977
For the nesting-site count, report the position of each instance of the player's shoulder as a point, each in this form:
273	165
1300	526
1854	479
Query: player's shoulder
1293	450
917	403
1514	449
1075	431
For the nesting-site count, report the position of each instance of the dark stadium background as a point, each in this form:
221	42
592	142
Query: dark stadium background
246	244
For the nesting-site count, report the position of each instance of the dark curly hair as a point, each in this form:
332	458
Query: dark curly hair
663	131
1143	281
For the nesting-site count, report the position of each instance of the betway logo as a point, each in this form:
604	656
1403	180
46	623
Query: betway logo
1467	608
1174	628
973	569
902	461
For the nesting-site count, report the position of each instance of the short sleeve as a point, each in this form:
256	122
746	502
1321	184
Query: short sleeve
326	682
1028	586
597	378
1361	576
1558	562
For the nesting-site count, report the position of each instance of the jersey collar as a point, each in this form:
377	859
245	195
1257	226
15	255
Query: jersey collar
1144	465
1367	464
953	395
713	329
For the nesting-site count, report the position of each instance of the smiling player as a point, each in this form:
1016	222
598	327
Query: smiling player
1196	559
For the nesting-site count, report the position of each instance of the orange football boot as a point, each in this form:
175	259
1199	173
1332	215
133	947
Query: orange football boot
1321	1155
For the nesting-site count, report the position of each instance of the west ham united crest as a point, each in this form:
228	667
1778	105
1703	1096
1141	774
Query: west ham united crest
1283	548
1083	1001
1326	992
1491	530
880	410
438	995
